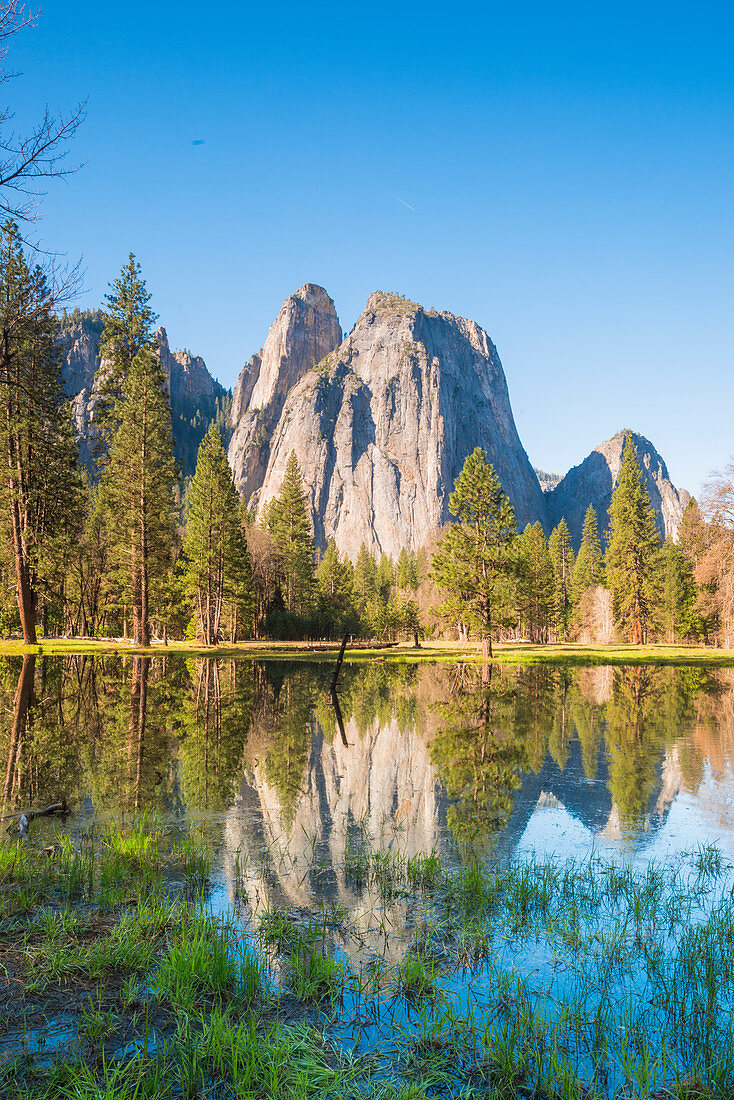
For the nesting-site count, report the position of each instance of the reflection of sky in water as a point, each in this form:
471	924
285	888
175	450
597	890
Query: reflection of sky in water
692	818
280	794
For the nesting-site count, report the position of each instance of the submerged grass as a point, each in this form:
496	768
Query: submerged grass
530	978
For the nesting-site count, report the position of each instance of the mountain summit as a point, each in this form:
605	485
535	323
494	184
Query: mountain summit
380	424
305	330
594	480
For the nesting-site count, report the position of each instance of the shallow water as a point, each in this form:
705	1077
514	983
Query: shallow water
635	762
605	766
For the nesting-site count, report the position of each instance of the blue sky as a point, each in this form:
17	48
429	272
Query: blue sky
562	173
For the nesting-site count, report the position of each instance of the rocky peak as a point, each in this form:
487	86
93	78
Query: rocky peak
305	330
382	426
192	389
79	341
594	480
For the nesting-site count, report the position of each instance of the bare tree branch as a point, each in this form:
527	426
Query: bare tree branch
717	498
41	153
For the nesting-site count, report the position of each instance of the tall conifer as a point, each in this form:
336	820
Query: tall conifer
475	562
217	570
365	576
679	613
128	329
40	487
562	560
633	554
536	584
290	522
334	579
136	493
588	571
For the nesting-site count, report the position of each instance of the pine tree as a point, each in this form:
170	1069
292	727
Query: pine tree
334	580
475	561
290	523
128	329
633	554
329	572
217	568
407	570
536	583
680	617
588	571
136	493
561	555
40	489
365	576
385	578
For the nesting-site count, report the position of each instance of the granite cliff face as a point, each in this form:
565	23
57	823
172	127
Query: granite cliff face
194	393
306	329
381	428
595	479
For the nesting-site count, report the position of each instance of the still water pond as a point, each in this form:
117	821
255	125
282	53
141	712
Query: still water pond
635	761
511	869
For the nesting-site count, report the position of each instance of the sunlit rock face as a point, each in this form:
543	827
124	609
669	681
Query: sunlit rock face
382	427
596	478
306	329
380	785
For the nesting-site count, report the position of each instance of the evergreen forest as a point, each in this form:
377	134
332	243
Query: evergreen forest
136	551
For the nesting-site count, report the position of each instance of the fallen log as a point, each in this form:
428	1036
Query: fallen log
47	811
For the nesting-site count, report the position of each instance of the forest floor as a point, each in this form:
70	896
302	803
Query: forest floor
512	652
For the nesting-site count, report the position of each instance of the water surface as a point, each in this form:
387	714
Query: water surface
635	761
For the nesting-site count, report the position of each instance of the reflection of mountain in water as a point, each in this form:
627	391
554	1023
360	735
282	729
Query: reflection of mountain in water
433	753
381	785
588	801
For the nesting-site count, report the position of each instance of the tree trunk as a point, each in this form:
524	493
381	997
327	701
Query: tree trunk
26	596
21	704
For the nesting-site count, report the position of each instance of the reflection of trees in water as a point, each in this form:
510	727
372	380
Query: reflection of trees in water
131	766
479	750
21	708
138	732
282	729
635	737
41	758
488	735
712	740
216	710
89	726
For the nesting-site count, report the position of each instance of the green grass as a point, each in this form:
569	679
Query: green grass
572	653
200	966
524	978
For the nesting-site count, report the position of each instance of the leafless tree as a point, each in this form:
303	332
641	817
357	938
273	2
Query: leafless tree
595	616
717	499
714	569
27	159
